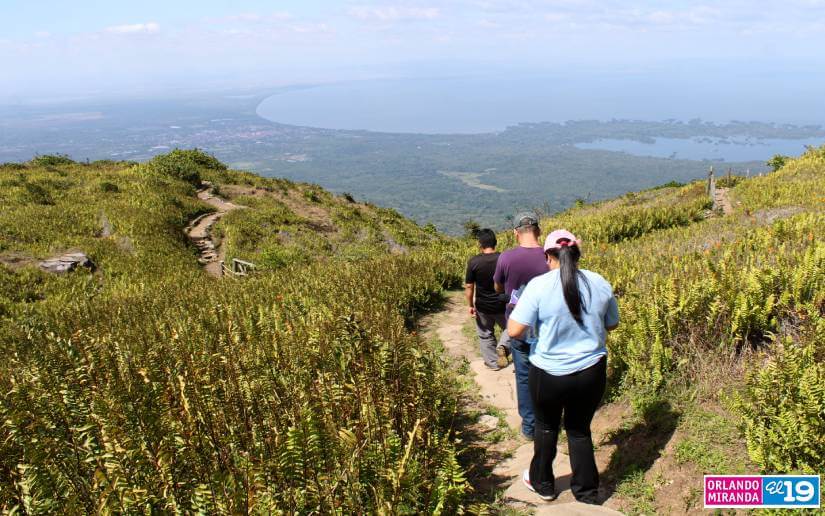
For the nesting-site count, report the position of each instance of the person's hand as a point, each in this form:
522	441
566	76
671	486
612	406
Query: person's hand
472	311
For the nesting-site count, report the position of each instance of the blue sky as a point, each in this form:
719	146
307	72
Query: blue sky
54	49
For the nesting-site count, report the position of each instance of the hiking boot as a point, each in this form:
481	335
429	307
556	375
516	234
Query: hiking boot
502	360
493	367
525	477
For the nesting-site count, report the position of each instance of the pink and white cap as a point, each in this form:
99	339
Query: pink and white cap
552	240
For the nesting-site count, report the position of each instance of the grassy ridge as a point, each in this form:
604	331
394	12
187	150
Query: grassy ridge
149	387
300	223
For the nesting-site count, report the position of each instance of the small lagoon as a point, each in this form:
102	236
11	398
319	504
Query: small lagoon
706	148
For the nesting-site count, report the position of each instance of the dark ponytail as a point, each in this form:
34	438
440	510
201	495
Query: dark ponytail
568	255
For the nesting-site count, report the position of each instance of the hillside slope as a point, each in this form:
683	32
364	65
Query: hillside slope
148	385
721	347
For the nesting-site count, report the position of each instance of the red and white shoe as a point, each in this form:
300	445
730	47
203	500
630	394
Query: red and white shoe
525	477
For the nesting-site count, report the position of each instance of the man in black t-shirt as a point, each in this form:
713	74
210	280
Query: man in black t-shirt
485	304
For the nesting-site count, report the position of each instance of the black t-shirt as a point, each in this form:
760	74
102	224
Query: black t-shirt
480	270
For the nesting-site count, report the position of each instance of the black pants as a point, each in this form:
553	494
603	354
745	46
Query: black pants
578	394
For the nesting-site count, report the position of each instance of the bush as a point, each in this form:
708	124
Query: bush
37	194
777	161
669	184
108	187
783	411
471	228
728	181
185	165
51	160
202	159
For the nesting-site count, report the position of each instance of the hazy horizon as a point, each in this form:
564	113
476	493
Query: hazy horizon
85	50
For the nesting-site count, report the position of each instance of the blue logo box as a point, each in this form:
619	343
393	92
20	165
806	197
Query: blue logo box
791	491
762	491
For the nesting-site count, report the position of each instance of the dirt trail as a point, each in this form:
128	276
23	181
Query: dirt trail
722	200
497	388
199	231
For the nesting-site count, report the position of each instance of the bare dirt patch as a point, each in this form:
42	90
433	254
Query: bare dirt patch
14	260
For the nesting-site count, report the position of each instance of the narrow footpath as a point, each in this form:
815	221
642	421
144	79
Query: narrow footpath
497	390
722	199
200	231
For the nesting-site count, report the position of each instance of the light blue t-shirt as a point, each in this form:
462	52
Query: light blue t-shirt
564	346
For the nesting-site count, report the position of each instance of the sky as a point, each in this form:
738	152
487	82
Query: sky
53	49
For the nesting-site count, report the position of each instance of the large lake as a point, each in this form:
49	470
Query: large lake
482	104
712	149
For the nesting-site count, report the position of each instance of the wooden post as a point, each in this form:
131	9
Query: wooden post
712	187
711	183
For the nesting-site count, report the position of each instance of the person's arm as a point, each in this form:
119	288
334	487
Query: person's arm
525	314
611	318
498	277
470	287
515	329
469	293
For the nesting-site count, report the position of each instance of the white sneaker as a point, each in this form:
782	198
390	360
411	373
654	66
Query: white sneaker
525	477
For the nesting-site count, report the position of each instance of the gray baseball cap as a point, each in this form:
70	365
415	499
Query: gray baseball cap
525	219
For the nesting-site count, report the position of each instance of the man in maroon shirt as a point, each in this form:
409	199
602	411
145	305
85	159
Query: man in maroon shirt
515	268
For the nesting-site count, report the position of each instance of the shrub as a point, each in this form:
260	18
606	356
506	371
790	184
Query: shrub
471	228
311	196
728	181
783	410
108	187
185	165
37	194
202	159
51	160
669	184
777	161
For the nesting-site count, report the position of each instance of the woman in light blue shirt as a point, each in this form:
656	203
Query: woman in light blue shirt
572	310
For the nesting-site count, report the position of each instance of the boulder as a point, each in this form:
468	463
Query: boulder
67	263
488	421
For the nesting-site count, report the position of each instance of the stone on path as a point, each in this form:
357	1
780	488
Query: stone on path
66	263
498	388
573	509
519	496
488	421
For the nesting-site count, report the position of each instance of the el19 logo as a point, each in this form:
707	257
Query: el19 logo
802	491
791	491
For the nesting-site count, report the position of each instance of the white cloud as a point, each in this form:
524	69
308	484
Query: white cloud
488	24
394	14
135	28
42	34
251	18
556	17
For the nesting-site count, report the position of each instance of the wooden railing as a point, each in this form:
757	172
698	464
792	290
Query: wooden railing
239	268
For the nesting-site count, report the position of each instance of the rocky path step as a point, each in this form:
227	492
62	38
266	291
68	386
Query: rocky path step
199	231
